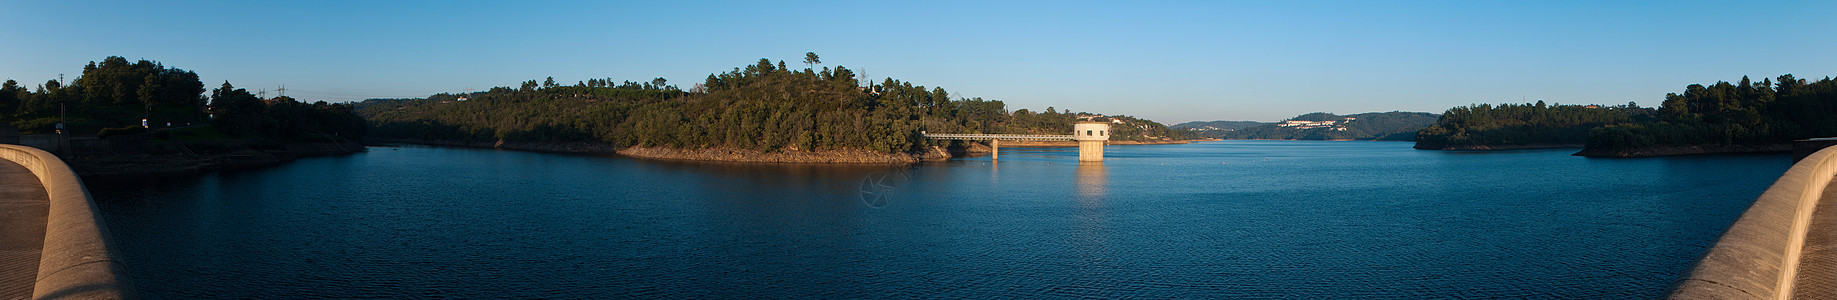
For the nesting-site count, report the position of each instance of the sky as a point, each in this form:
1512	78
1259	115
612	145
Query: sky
1168	61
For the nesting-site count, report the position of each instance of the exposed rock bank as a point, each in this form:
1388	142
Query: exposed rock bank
822	157
708	154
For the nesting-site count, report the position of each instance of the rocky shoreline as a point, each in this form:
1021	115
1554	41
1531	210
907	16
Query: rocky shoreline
754	156
1075	144
706	154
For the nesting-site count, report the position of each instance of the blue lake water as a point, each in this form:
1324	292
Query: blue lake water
1230	219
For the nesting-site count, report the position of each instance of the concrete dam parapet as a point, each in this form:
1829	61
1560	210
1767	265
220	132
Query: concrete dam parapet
76	261
1766	253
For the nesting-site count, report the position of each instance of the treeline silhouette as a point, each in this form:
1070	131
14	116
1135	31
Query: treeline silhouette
764	106
114	96
1732	114
1743	113
1523	124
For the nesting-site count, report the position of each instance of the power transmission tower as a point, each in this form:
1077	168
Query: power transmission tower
263	94
283	90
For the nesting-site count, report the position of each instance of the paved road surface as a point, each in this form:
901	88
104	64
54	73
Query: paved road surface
22	229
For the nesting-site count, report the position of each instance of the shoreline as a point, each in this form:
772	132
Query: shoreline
1056	144
726	155
1500	147
238	156
1685	150
1305	138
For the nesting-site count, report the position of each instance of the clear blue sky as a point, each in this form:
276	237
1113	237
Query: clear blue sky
1167	61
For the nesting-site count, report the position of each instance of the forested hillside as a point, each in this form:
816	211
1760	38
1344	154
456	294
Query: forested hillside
114	96
1214	129
1384	126
1724	114
762	107
1484	126
1722	117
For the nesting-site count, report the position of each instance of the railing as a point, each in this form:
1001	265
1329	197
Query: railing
1758	257
1004	137
76	262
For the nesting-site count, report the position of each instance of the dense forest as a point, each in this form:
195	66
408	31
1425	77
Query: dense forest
1383	126
1721	114
765	106
1486	125
114	96
1731	114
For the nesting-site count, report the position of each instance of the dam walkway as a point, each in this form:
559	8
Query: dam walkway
23	211
52	243
1817	274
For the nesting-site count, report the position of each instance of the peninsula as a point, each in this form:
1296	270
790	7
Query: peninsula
763	112
1723	117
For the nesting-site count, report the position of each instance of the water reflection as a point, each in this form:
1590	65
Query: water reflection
1091	178
1091	235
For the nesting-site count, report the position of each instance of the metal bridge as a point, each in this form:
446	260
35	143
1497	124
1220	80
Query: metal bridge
998	137
1090	138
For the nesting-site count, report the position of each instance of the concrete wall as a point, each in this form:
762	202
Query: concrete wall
1758	257
76	262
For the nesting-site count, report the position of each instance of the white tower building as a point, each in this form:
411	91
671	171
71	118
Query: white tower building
1090	137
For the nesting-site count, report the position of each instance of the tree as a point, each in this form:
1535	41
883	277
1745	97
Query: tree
238	112
148	91
811	59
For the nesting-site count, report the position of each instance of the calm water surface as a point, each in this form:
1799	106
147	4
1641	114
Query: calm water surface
1232	219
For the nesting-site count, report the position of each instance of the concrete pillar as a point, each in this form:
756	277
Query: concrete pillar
995	149
1090	151
1091	137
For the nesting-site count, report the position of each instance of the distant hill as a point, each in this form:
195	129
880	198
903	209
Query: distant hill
1382	126
1214	129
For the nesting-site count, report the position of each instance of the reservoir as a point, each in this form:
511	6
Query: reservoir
1228	219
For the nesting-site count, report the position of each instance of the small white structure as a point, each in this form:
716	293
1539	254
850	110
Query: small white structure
1090	137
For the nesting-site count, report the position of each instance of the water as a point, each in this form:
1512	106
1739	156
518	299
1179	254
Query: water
1232	219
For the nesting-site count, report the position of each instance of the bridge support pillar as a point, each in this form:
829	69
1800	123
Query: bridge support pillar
994	149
